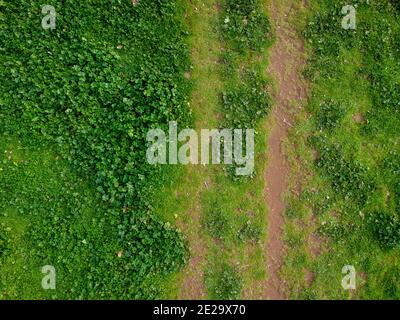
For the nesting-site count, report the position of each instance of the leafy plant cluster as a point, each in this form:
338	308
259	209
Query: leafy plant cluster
246	98
244	24
91	89
81	92
348	178
376	38
244	32
4	241
95	252
247	102
386	228
330	114
250	231
245	29
216	221
224	282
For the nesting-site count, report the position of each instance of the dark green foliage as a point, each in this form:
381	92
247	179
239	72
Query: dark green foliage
329	115
348	178
386	229
391	283
76	84
291	212
245	25
224	282
216	221
72	229
395	4
250	231
376	37
391	165
333	230
245	30
354	193
228	63
387	286
91	89
324	30
246	103
4	242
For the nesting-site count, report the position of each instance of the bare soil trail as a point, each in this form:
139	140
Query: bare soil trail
287	60
192	287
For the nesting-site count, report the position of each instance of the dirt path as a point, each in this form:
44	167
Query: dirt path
286	64
192	287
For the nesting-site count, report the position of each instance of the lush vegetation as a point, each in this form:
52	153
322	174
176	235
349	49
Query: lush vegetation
76	103
223	218
224	283
230	220
245	32
350	144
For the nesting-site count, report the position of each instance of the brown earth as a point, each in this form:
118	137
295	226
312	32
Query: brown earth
193	287
287	60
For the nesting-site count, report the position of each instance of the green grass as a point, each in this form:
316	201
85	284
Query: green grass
51	216
234	210
76	104
75	192
227	215
342	147
223	282
179	202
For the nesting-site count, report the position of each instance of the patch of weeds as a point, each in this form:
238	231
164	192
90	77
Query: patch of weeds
358	167
293	238
329	115
386	228
348	178
223	282
245	25
228	63
291	212
243	106
308	294
391	283
333	230
247	102
90	90
250	232
217	221
4	242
